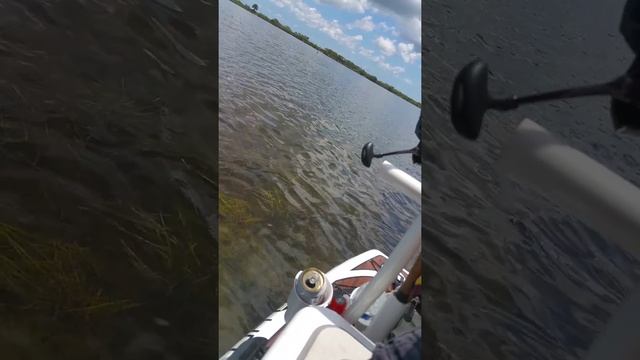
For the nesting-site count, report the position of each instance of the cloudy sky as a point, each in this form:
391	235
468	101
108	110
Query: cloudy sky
381	36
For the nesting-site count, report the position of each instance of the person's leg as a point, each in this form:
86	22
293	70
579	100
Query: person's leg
402	347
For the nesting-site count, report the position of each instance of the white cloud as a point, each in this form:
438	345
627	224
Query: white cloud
351	41
366	52
369	54
383	25
395	70
407	14
312	17
407	53
408	81
365	24
379	59
405	8
412	30
387	46
359	6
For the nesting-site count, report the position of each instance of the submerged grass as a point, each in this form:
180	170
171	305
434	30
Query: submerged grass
235	210
150	265
161	254
240	220
50	275
274	204
62	277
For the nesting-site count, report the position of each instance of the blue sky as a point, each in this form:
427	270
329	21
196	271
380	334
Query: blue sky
381	36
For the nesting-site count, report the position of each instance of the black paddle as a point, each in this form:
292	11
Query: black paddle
470	98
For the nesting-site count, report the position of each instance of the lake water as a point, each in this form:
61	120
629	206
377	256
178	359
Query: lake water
107	198
293	192
510	275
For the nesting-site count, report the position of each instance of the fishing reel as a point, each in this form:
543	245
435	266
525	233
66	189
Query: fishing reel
368	154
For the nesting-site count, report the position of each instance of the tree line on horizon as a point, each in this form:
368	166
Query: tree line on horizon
328	52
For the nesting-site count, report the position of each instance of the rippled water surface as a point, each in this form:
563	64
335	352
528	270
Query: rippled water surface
510	274
107	115
293	192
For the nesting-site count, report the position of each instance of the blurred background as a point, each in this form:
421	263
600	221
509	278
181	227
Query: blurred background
509	273
107	166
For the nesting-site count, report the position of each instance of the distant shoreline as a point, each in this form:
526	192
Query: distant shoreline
330	53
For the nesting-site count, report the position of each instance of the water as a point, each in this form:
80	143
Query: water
293	192
106	161
510	275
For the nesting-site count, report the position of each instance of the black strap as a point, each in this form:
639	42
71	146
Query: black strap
630	25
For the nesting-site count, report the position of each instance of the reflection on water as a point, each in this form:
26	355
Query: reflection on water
511	275
106	201
293	192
